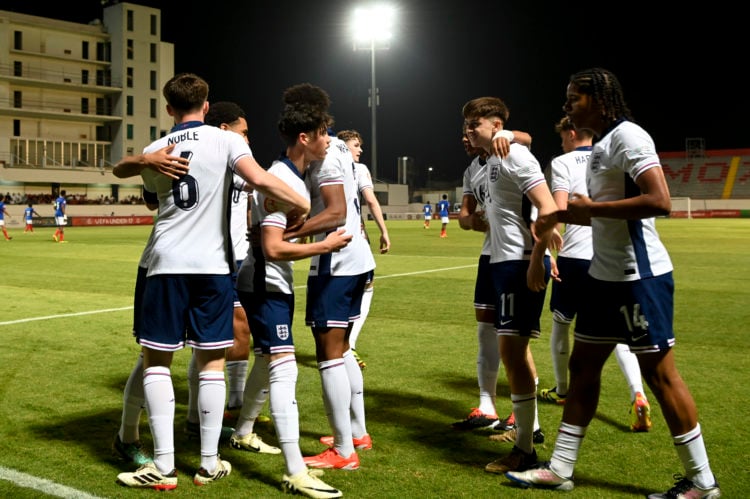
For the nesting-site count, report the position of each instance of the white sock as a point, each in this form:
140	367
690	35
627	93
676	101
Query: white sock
357	388
192	379
488	364
236	378
285	412
256	394
692	452
524	408
363	313
212	391
630	368
133	403
536	406
559	344
159	393
337	400
567	445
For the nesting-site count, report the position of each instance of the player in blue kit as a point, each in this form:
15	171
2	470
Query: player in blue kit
629	295
61	220
443	208
427	211
28	214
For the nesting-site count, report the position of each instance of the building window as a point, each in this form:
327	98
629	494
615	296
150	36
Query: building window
153	108
130	132
153	80
154	25
16	128
17	68
18	40
101	106
17	99
130	49
103	133
84	105
129	105
153	52
130	77
84	50
152	131
130	20
103	51
84	76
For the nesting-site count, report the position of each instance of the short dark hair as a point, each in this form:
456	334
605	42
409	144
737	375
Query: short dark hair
223	112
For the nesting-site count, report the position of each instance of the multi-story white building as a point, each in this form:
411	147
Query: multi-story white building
75	98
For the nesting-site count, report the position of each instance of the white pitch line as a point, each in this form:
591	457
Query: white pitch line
302	286
60	316
42	485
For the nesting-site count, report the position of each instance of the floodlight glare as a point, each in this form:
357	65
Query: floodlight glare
372	29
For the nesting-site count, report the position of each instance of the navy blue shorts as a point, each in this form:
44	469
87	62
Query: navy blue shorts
270	316
334	301
566	294
637	313
187	309
484	291
517	308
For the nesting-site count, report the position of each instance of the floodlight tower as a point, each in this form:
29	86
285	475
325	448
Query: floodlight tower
371	29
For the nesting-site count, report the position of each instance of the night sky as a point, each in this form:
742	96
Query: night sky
682	71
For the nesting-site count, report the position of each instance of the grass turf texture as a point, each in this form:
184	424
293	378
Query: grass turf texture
64	371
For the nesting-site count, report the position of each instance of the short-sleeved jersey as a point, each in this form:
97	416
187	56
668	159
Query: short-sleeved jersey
568	174
238	217
338	168
624	250
28	213
2	210
475	184
191	233
60	204
509	211
427	209
257	275
364	178
443	207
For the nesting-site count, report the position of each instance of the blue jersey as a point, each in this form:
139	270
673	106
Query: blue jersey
28	213
2	210
427	210
444	207
60	206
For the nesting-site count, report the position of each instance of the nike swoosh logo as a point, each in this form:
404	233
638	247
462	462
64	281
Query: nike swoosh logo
636	338
502	323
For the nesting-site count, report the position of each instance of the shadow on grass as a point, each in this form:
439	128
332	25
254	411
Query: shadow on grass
94	433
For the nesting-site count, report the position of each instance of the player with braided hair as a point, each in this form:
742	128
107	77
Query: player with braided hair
629	294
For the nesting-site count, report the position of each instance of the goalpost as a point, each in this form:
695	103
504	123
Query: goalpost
682	207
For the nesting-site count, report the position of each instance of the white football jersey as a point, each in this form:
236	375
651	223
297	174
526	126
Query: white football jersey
191	232
475	184
276	276
338	168
238	217
624	250
509	211
569	175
